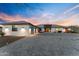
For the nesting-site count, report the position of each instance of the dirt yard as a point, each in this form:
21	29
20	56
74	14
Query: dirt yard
8	39
44	44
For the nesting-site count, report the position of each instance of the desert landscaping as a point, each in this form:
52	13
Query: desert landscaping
44	44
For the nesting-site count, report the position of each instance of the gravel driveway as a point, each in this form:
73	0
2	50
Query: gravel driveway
44	44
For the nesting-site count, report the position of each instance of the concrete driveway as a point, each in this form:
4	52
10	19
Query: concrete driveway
44	44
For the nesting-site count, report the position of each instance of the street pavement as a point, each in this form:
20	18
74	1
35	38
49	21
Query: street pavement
44	44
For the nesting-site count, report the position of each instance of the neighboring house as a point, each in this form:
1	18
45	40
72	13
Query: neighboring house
74	29
19	28
52	28
58	28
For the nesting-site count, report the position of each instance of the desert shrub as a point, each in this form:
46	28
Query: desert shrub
59	31
2	34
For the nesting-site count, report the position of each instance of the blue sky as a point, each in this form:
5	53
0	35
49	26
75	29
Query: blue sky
50	12
35	8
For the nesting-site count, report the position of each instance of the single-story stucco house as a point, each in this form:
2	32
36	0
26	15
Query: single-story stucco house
19	28
52	28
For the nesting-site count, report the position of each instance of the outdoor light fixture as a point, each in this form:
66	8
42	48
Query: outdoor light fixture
30	30
23	29
69	29
6	29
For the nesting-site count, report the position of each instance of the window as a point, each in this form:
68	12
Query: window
14	28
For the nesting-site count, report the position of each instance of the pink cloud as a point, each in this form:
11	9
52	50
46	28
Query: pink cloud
42	19
69	21
17	18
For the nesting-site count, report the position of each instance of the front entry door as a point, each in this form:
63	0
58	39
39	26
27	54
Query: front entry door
47	28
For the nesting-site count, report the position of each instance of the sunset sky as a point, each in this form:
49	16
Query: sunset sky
41	13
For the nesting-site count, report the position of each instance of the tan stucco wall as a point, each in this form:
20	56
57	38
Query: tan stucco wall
22	30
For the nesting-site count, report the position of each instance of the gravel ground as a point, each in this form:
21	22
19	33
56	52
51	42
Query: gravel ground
44	44
8	39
